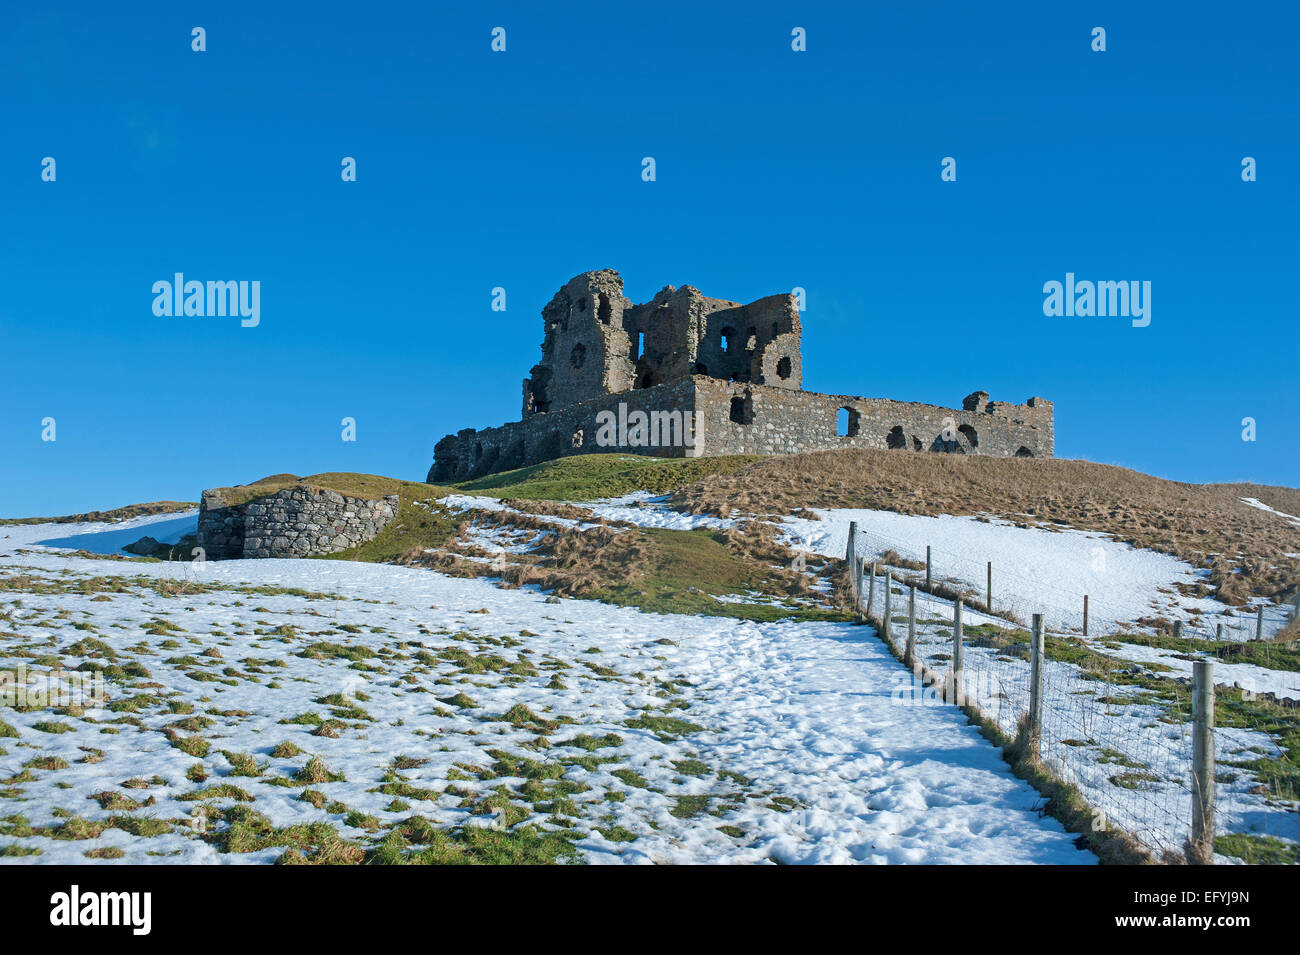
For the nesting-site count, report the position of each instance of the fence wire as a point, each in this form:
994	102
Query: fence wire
1120	732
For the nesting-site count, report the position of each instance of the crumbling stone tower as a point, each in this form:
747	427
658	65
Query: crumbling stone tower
598	343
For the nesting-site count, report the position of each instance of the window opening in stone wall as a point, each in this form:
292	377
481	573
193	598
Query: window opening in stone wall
742	410
783	368
603	314
847	423
1024	452
896	440
972	438
578	356
728	334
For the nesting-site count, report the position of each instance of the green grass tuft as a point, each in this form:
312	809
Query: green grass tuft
585	477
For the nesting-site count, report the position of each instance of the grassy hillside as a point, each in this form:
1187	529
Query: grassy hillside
369	486
1245	549
655	569
589	476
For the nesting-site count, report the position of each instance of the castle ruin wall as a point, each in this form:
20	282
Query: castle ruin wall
740	418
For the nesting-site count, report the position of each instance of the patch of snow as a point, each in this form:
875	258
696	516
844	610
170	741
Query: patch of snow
1264	507
1284	684
652	510
641	508
505	540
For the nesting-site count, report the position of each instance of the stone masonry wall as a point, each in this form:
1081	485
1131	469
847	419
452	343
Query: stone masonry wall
221	528
739	418
752	419
543	437
294	522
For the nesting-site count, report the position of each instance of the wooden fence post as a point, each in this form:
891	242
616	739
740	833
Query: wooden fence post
1178	629
1036	654
956	652
860	565
909	655
1202	842
1259	624
871	589
989	600
927	566
1218	633
1085	615
851	558
889	586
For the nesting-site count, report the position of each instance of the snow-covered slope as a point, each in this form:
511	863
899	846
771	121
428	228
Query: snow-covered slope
1035	570
793	748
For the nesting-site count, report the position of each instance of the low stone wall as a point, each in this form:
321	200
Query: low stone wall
741	418
294	522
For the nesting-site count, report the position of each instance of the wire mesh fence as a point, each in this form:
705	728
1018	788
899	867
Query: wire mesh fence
1119	731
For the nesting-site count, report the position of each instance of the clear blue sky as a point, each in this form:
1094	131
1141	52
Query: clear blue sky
775	169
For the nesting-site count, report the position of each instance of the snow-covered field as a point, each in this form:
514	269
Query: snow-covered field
1036	570
645	737
649	738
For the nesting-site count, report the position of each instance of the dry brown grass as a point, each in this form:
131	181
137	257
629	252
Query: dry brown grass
613	560
572	563
365	486
1243	547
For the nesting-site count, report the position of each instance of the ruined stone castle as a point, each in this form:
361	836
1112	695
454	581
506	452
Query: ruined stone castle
684	375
